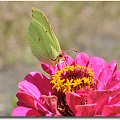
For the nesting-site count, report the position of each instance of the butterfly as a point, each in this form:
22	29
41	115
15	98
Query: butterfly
42	40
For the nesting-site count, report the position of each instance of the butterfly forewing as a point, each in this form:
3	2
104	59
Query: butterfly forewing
36	43
42	19
41	38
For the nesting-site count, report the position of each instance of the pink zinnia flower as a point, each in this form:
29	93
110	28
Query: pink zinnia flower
86	86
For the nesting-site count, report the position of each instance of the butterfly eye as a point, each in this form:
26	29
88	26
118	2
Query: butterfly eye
60	55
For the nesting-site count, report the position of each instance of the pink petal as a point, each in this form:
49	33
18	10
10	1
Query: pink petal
115	99
85	110
115	91
52	104
106	74
101	103
27	99
117	76
117	115
73	99
114	82
60	65
32	102
112	110
100	98
50	69
84	93
69	60
82	59
24	111
47	105
96	96
97	64
36	84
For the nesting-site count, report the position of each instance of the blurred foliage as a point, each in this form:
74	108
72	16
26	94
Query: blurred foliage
91	27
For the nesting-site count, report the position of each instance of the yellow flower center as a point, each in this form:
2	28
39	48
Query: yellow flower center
72	78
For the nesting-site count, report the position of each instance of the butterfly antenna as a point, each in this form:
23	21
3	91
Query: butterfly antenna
74	50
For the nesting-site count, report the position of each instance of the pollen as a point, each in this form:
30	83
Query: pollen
72	78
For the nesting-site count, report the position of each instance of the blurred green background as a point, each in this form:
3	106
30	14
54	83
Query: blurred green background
91	27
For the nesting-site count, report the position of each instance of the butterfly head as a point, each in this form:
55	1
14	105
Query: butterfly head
60	57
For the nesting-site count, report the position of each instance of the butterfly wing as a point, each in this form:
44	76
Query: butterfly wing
41	37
